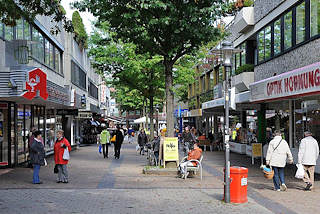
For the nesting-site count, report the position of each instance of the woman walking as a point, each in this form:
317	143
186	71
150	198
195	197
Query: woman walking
59	147
37	155
277	154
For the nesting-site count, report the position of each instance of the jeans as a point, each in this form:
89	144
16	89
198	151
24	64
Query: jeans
36	169
278	173
105	150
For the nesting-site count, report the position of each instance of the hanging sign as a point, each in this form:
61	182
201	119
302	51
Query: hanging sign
37	81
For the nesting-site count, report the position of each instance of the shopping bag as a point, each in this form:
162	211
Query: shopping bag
45	162
300	171
113	139
66	155
100	147
137	147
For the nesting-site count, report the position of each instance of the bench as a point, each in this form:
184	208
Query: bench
193	169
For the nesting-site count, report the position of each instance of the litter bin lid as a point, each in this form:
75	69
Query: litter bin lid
238	170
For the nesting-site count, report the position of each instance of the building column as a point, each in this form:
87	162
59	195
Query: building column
291	123
262	123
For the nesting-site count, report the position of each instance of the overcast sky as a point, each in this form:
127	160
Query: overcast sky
87	18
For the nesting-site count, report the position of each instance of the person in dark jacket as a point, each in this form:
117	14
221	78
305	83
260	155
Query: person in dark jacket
142	141
118	143
37	155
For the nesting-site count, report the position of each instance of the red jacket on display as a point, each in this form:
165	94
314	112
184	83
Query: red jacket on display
58	151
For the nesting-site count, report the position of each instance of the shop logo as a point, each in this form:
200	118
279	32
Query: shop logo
37	82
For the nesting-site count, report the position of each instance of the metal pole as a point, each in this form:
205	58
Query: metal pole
226	138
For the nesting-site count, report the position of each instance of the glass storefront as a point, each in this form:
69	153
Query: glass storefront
4	134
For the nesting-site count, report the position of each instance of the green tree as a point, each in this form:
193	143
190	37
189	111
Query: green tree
12	10
158	27
119	60
81	35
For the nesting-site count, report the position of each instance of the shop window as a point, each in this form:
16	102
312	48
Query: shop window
57	60
261	46
50	131
8	33
138	112
300	23
21	134
288	30
314	17
220	74
277	37
211	80
131	113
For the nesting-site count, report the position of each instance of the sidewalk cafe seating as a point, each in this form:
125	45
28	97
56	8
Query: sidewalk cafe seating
193	169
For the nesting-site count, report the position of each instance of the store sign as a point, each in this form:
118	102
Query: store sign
37	81
84	115
305	80
67	112
57	94
170	149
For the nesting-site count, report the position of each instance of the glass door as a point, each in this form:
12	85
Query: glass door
4	147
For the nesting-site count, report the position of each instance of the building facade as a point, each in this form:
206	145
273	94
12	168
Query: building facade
42	80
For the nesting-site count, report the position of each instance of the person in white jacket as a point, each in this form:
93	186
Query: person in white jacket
277	154
307	156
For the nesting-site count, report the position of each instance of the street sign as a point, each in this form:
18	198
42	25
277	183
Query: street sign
84	115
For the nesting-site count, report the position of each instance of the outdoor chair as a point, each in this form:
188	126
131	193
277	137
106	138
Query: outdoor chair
194	169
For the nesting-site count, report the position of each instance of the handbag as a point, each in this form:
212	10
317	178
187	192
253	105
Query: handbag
55	170
66	155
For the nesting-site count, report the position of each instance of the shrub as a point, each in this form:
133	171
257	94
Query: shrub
245	68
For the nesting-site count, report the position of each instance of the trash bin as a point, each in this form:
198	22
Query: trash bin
238	184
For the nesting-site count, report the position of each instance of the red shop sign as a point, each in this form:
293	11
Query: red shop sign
37	81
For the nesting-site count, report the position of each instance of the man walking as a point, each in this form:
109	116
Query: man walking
105	141
118	143
307	156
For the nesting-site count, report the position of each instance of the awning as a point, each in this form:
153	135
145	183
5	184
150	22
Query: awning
142	120
242	97
303	81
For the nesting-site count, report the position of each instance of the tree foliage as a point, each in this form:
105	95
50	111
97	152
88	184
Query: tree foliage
161	27
81	35
12	10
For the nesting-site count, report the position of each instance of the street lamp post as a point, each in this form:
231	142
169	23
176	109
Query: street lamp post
226	51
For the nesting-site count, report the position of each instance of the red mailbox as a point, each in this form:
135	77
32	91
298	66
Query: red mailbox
238	184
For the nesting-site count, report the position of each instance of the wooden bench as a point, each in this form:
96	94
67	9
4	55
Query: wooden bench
205	143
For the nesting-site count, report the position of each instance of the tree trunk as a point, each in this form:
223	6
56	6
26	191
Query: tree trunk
169	98
151	119
146	111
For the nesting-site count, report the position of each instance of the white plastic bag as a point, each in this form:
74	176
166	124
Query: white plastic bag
66	155
126	138
300	171
137	147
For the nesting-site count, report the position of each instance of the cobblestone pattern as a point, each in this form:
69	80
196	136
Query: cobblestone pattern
297	58
263	7
121	201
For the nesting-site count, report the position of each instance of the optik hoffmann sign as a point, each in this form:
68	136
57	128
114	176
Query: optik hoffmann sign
302	81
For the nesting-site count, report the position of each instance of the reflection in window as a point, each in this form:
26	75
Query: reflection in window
51	56
19	29
288	30
261	46
277	37
314	17
267	42
238	60
300	23
26	30
47	51
243	54
8	33
57	60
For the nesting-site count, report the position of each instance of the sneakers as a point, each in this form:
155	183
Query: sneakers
278	190
283	187
308	187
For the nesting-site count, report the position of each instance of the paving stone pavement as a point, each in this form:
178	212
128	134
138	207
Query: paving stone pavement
99	185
